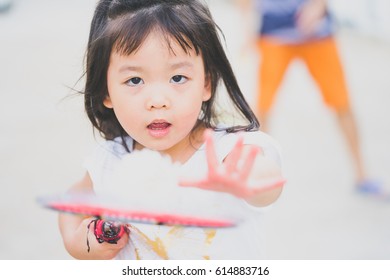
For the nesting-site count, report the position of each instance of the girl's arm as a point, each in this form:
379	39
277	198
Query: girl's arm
75	232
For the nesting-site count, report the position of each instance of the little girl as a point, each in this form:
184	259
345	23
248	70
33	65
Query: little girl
153	70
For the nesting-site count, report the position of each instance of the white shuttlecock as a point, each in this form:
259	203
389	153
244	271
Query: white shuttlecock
147	181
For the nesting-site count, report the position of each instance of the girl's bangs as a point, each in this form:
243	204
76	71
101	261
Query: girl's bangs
127	33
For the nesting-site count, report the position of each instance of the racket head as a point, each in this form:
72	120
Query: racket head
90	205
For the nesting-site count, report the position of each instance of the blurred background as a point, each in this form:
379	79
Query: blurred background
45	134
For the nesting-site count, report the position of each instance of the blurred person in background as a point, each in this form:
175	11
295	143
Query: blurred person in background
5	5
303	29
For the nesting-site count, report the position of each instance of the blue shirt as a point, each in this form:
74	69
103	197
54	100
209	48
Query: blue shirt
278	19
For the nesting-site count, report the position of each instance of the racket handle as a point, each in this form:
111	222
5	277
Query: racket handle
108	231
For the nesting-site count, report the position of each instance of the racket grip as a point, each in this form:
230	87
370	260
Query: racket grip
108	231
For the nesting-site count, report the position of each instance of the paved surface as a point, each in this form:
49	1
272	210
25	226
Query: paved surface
45	135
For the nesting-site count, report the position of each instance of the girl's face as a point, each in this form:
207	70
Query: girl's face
157	93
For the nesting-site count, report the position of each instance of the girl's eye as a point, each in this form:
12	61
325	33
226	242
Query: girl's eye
179	79
134	81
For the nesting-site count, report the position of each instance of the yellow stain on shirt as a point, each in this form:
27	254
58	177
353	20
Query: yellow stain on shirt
210	234
156	246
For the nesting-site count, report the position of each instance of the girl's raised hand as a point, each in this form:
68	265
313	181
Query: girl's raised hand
234	173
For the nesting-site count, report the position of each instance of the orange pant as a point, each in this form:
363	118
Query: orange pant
322	60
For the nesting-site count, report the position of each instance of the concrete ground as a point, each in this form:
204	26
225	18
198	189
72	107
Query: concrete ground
45	136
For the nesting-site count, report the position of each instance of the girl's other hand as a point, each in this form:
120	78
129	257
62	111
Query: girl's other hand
91	248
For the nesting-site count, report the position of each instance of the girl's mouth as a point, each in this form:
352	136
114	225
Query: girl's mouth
159	129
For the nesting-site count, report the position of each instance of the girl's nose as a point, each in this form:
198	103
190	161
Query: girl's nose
157	100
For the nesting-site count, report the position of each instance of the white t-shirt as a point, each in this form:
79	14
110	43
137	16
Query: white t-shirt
149	241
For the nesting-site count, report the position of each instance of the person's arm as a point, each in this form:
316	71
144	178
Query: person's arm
249	21
75	232
244	5
310	16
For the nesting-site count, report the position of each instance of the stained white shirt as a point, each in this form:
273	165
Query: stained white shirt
245	240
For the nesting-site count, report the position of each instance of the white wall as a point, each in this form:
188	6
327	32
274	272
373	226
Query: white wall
371	17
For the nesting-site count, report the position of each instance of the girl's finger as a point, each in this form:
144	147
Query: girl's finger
234	156
212	161
249	162
201	184
270	185
190	183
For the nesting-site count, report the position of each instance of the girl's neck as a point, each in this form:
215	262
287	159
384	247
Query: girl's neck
184	151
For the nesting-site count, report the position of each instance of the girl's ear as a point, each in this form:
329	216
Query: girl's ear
207	89
107	102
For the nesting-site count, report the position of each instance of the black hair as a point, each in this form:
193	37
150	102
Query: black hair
123	25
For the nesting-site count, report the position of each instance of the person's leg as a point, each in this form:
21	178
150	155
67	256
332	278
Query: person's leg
347	123
325	66
274	60
364	184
